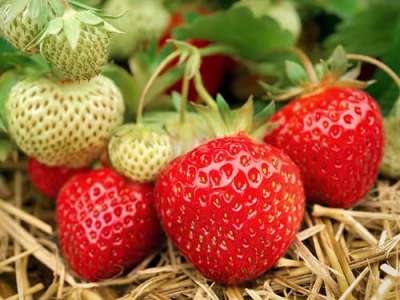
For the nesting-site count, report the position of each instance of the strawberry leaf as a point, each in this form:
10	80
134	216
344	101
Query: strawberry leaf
385	90
369	32
129	88
251	37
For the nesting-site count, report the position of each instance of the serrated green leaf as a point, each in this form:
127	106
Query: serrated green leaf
129	88
6	148
296	73
342	8
385	91
89	18
251	37
55	26
72	30
369	32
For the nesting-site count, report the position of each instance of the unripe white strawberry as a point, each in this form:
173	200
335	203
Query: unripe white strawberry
77	44
139	153
142	21
21	24
64	124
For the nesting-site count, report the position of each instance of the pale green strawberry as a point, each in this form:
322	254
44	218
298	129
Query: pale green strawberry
139	153
22	21
142	21
77	44
64	124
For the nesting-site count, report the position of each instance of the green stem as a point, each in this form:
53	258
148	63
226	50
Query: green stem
312	75
157	72
184	96
202	91
375	62
65	3
216	49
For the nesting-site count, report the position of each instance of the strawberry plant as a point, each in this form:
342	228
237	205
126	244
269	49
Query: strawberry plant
194	163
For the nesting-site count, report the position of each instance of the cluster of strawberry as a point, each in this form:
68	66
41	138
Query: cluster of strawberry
232	205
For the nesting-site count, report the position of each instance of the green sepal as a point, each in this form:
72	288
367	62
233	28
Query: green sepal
223	107
224	121
72	29
338	62
70	24
295	72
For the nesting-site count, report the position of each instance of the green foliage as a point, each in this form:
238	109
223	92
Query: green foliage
369	32
248	36
385	90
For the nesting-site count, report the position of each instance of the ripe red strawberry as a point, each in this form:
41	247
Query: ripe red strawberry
232	206
49	180
212	68
106	223
336	138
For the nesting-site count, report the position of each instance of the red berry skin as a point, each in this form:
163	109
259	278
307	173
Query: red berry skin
212	69
49	180
336	138
106	224
232	206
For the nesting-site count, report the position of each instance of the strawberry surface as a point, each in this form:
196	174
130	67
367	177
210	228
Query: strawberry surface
232	206
49	180
105	223
336	138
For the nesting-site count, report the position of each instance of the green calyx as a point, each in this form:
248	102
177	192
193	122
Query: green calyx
71	25
22	21
224	121
309	79
39	11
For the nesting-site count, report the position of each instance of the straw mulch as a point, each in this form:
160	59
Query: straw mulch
339	254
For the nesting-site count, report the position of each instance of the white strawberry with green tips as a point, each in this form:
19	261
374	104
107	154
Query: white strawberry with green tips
143	20
77	44
21	21
64	123
138	152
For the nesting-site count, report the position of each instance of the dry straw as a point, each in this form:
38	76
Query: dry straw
339	254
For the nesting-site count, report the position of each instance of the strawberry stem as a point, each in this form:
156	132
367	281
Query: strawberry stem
184	96
202	91
379	64
170	58
308	65
65	3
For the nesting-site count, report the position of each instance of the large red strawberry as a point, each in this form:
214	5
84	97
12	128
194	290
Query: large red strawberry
335	136
105	223
212	69
49	180
232	206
